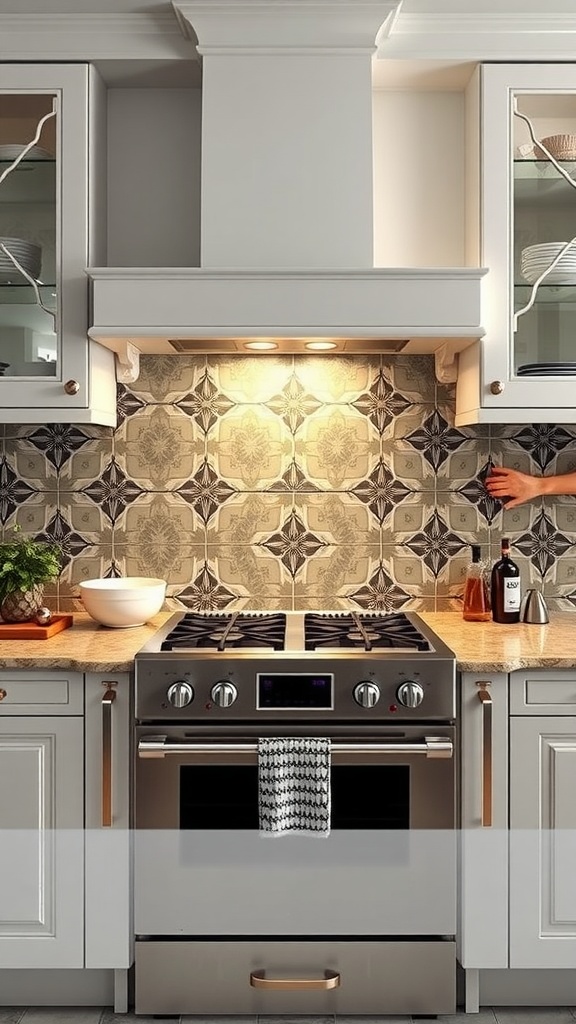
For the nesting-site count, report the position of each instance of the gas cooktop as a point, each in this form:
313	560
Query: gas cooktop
195	634
231	667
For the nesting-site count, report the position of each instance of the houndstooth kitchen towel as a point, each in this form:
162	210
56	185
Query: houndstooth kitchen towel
294	786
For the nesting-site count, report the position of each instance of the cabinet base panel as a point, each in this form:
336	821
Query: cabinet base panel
520	988
56	987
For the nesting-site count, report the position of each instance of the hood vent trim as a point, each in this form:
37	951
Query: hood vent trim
158	309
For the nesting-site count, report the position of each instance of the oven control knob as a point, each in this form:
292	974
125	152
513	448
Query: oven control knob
410	694
180	694
224	693
366	694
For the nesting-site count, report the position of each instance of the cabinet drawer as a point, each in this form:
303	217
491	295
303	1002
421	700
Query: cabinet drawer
543	692
213	977
37	692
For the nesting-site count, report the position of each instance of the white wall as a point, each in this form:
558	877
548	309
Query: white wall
418	179
154	177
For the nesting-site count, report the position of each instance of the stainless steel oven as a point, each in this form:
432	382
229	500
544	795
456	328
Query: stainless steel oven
231	921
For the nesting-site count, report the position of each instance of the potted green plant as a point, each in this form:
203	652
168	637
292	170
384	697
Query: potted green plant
25	566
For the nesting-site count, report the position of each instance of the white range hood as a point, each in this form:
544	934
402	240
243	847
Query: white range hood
287	201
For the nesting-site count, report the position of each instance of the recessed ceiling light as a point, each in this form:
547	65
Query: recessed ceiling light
320	346
260	346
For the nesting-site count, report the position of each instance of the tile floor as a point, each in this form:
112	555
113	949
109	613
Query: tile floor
98	1015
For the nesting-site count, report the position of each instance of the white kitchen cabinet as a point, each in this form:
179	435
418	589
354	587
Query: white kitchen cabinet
516	201
52	218
108	759
65	775
543	819
41	816
482	939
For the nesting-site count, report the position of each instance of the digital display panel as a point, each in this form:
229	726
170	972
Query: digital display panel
294	691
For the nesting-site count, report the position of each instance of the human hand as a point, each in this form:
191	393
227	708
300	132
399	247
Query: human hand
512	487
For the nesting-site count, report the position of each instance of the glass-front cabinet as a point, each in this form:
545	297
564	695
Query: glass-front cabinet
522	227
52	225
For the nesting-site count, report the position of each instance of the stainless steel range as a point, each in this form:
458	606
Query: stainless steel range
229	921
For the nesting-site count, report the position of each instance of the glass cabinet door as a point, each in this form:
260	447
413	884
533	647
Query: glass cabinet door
527	206
29	285
543	223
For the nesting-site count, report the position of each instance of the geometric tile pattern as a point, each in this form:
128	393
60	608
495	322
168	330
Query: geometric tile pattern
112	491
13	491
288	482
543	442
435	439
293	544
475	492
205	403
543	544
380	491
381	403
206	492
58	441
380	592
435	544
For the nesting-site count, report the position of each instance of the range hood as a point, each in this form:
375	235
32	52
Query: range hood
286	202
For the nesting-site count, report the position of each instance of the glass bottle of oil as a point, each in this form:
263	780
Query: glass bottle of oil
476	605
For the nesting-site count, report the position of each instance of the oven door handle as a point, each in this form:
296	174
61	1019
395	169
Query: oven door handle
430	746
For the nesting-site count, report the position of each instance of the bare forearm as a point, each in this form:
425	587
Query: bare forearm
512	487
565	483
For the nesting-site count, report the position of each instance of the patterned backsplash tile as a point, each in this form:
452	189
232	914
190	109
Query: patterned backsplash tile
287	482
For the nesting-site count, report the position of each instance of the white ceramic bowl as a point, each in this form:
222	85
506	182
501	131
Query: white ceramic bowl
127	601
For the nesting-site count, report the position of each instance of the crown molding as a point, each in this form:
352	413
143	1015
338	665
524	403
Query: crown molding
285	25
481	36
93	36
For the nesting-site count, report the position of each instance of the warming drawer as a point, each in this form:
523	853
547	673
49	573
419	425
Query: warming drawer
212	976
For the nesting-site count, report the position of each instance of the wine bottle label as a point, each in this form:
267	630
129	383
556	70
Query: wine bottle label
511	595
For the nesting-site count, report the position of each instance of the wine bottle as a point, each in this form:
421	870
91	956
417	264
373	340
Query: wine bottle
505	587
476	604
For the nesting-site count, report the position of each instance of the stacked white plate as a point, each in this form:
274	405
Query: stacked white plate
28	255
536	258
546	370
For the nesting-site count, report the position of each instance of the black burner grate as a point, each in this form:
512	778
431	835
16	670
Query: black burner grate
224	632
359	631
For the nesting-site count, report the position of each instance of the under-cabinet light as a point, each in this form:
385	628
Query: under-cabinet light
320	346
260	346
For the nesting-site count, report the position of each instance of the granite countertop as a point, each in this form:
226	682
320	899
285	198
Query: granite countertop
478	646
84	647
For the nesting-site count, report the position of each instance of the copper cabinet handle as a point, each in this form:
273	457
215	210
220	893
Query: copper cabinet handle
71	387
107	702
486	701
3	694
258	979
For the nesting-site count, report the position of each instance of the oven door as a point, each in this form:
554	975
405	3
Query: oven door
387	867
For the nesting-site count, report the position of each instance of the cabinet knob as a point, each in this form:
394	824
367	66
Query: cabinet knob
497	387
3	694
71	387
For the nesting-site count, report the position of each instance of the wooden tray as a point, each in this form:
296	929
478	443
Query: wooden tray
32	631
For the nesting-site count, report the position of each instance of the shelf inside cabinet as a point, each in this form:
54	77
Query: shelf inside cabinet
14	294
553	294
31	181
540	181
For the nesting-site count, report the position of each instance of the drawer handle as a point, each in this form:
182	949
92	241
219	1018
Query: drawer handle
486	701
258	979
107	702
3	694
